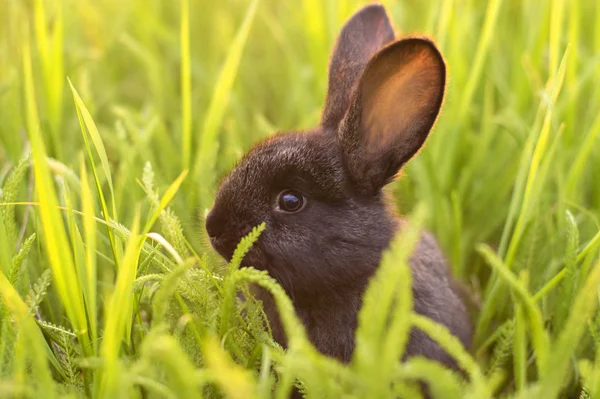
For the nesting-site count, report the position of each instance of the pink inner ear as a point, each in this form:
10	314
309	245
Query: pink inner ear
401	93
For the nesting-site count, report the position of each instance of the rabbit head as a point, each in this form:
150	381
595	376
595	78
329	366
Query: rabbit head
320	191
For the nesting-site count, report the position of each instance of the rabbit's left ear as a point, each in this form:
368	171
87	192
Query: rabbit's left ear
392	110
367	31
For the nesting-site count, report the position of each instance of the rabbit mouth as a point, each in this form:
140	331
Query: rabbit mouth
224	247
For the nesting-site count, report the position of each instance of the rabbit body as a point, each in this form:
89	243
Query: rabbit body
321	195
331	320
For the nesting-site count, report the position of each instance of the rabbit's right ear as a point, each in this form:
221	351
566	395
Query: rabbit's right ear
393	108
367	31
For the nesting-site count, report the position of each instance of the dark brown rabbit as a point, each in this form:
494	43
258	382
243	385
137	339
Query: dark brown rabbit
320	192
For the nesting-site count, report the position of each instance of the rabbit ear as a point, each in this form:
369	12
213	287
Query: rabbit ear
393	108
363	35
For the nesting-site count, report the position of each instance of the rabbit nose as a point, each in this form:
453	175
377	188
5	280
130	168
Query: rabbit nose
215	224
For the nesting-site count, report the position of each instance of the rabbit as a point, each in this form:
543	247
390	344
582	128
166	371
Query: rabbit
320	192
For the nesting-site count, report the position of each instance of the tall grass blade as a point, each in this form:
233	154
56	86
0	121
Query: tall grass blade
118	322
569	339
538	154
91	279
90	131
55	237
186	84
206	156
235	382
539	336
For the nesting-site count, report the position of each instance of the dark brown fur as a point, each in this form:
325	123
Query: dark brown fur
383	99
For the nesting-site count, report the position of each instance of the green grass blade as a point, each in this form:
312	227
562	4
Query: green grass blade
539	152
539	336
167	288
206	156
454	348
89	228
520	349
557	11
533	161
530	186
44	49
88	125
117	311
569	339
165	350
230	283
186	84
489	23
440	381
582	158
236	382
50	47
55	237
165	200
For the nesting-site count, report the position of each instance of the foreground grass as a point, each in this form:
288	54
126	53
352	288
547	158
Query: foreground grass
107	283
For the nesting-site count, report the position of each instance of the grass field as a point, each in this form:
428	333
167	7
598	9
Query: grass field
117	119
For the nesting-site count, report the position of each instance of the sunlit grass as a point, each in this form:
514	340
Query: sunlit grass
119	118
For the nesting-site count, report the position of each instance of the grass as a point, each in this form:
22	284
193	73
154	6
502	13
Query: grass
118	118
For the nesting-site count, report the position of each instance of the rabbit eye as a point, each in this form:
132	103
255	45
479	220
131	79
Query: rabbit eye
290	201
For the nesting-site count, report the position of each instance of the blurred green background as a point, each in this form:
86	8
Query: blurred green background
513	162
